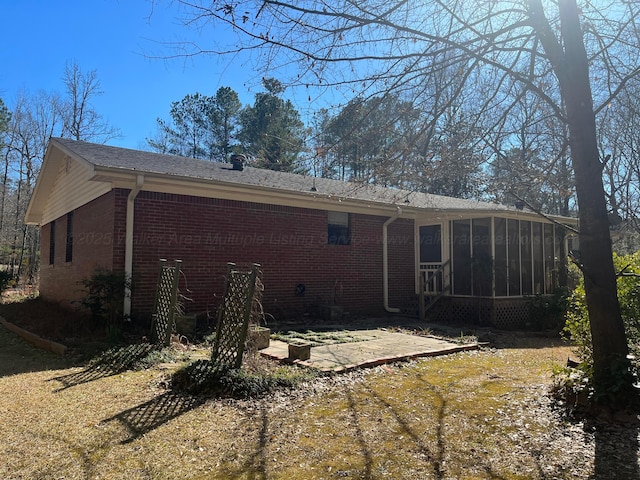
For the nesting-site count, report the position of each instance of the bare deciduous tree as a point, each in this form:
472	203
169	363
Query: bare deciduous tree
35	118
554	50
81	120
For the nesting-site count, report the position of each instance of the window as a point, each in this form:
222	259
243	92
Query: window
431	257
573	242
338	228
69	242
52	242
430	244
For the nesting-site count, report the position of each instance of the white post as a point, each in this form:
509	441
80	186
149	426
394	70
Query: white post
385	262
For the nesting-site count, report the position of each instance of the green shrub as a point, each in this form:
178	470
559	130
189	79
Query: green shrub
577	330
105	293
576	327
203	377
548	312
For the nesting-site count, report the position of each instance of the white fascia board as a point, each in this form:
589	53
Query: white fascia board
44	184
248	193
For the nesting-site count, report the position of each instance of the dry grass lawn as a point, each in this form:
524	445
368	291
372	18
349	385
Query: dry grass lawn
480	415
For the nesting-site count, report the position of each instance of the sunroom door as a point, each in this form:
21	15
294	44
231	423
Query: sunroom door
431	258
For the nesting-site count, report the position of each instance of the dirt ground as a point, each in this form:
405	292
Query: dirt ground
474	415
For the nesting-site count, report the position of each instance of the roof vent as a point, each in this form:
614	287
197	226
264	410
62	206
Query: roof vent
237	162
519	204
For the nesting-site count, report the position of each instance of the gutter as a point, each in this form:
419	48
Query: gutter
248	192
128	244
385	262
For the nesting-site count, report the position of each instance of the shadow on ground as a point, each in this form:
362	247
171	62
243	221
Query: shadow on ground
616	455
107	364
18	356
143	418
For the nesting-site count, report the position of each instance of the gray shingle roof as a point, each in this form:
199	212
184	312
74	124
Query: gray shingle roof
137	161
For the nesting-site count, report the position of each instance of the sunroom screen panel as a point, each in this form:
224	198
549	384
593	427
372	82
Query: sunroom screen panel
461	253
481	252
500	262
525	257
538	259
513	254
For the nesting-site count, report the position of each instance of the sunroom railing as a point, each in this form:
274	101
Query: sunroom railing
434	282
435	277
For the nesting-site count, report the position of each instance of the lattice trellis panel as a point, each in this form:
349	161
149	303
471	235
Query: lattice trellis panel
441	311
233	317
505	314
510	314
163	321
471	310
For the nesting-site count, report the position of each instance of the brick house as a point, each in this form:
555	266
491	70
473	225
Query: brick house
319	241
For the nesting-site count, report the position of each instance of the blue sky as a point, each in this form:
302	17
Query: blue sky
113	37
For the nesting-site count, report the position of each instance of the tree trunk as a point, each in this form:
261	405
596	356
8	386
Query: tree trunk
607	329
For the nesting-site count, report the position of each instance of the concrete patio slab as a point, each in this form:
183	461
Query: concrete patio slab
382	347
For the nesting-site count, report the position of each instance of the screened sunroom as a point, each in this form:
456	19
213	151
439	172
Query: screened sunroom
486	267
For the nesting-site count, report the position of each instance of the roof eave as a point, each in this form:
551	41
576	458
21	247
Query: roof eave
213	188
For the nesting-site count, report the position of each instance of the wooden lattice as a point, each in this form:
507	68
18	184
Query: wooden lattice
441	311
233	317
163	321
511	314
505	314
470	310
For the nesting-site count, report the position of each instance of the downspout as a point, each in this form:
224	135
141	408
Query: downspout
128	244
385	262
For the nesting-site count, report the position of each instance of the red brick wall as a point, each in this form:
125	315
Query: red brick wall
401	244
93	240
290	244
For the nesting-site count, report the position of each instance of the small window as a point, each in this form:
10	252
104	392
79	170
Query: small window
52	242
338	228
573	242
69	243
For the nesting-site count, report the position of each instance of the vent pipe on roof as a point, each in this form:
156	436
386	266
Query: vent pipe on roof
237	162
